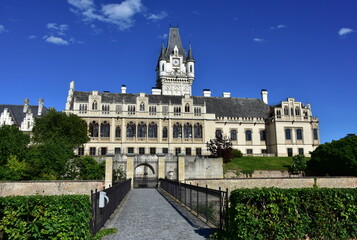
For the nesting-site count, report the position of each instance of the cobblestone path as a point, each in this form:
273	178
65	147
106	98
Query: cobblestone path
148	214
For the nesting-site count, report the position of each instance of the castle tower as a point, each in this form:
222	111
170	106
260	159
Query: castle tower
175	70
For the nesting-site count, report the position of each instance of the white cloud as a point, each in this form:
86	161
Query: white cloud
32	37
55	40
344	31
278	27
2	29
120	14
163	36
258	40
59	29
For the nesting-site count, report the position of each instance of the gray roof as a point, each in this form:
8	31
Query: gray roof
222	107
16	112
174	39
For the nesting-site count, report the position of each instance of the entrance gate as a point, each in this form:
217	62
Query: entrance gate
145	176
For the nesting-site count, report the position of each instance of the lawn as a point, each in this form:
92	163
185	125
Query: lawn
259	163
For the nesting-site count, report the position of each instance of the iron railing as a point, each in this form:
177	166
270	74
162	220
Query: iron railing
116	194
207	203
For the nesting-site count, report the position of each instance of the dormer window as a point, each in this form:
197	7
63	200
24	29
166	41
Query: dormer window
142	107
94	105
187	107
286	111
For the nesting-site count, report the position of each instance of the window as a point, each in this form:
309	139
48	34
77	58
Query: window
298	134
264	151
187	130
262	135
290	152
152	151
82	108
286	111
199	152
187	107
94	105
301	151
163	67
141	130
219	133
316	135
152	130
297	111
130	130
165	110
188	151
164	132
165	150
288	134
198	130
93	129
104	129
142	107
249	151
118	109
105	109
197	111
234	135
130	150
278	113
177	130
152	110
141	150
80	151
190	68
177	111
117	151
131	109
248	135
92	151
291	111
117	132
177	151
103	151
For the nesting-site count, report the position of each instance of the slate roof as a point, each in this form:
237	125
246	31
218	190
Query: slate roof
222	107
174	39
16	112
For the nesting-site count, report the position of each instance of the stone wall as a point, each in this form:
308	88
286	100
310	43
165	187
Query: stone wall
196	167
259	174
24	188
308	182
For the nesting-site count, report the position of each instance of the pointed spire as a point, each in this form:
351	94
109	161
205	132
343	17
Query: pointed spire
190	56
162	53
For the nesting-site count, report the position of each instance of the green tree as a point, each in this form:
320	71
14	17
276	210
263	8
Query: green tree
58	125
221	147
12	142
298	165
86	168
337	158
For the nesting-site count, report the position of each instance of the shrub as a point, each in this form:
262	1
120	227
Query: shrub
271	213
45	217
298	165
237	153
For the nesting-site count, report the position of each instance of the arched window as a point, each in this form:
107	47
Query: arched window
198	130
141	130
187	107
177	133
142	107
93	129
291	111
152	131
105	129
164	132
94	105
117	132
187	130
297	111
130	130
286	111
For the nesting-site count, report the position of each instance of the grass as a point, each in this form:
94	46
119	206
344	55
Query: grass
104	232
259	163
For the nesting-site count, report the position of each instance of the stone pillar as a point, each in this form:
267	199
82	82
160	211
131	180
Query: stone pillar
108	171
181	167
161	166
130	167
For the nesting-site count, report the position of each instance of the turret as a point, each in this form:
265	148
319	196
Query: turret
190	62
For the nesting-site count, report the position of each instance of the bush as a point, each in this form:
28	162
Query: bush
45	217
298	165
271	213
236	153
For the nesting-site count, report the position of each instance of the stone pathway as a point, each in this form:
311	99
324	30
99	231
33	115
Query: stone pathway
149	214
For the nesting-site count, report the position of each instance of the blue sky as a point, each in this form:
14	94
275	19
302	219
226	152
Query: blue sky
298	48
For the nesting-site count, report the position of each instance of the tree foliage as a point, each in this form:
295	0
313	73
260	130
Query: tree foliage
221	147
86	168
298	165
337	158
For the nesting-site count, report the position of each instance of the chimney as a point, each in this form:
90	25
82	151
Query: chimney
26	105
226	94
206	92
123	89
264	94
155	91
40	106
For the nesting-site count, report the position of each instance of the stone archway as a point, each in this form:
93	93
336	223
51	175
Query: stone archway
145	176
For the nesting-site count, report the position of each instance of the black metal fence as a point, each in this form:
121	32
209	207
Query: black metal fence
115	195
207	203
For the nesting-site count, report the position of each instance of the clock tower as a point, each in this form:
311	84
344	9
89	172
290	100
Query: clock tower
175	69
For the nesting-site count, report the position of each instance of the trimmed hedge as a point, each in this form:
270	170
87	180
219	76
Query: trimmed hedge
45	217
271	213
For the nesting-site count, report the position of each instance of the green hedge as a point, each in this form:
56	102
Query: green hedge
45	217
271	213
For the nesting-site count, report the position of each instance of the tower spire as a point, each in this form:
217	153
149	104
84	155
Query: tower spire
190	56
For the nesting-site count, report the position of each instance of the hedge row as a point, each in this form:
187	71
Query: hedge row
271	213
45	217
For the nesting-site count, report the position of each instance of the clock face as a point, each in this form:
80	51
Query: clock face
176	62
